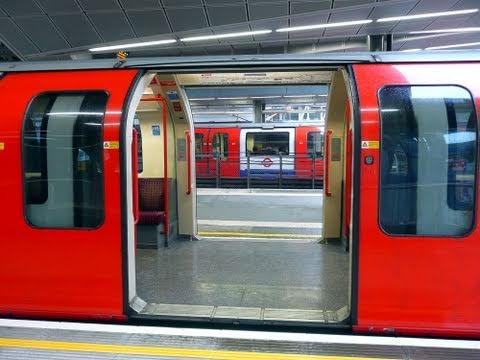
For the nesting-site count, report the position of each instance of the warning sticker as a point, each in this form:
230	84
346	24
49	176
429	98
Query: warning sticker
111	145
366	144
2	145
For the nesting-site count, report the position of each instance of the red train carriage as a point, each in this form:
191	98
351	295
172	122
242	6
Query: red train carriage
400	183
234	151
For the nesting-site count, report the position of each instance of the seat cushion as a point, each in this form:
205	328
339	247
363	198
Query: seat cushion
151	217
151	194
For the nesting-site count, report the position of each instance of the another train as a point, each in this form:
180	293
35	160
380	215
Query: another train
288	152
400	173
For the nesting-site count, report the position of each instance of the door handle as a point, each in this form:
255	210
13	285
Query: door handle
327	162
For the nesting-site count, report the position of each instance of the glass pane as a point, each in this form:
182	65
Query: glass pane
63	160
199	146
315	144
268	143
428	160
220	145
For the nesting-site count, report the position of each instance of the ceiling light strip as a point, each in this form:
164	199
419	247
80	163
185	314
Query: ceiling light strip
427	15
453	30
452	46
324	26
133	45
225	36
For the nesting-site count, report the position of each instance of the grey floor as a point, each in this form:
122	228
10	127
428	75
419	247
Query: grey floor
283	275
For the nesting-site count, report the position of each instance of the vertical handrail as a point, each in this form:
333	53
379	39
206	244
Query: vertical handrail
135	205
189	162
327	162
165	159
281	170
248	171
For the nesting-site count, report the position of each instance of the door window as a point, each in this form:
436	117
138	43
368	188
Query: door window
220	145
315	144
428	160
63	160
198	146
261	143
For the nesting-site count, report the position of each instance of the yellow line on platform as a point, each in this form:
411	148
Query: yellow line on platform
259	235
160	351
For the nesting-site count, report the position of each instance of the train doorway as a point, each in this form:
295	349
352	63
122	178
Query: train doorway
253	244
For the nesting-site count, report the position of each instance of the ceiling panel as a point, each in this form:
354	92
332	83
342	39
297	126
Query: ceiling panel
112	26
150	22
99	4
344	3
270	25
15	37
298	7
77	29
57	6
20	7
308	20
350	15
265	11
140	4
186	18
223	15
425	6
42	33
225	3
183	3
391	10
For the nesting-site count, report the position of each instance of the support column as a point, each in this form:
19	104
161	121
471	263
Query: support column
379	42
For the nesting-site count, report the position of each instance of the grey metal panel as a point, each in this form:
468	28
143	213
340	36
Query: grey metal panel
20	8
112	26
42	32
59	5
308	20
99	4
298	7
224	15
149	22
265	11
182	3
225	3
14	36
346	3
140	4
77	29
187	18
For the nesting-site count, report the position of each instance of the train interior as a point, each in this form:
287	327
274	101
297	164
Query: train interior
191	253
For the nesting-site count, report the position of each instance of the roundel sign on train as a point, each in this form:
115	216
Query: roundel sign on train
267	162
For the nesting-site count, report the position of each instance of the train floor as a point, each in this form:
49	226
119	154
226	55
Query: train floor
38	340
222	278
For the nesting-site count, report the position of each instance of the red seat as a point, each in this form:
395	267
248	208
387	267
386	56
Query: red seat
151	201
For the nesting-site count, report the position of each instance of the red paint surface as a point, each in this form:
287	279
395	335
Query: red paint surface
414	285
60	273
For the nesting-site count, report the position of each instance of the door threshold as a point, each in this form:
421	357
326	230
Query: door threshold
243	314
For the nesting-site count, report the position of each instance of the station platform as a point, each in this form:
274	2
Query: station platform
24	339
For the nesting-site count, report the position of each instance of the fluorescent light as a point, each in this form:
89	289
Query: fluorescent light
298	96
440	31
133	45
228	35
452	46
265	97
232	98
427	15
324	26
411	50
203	99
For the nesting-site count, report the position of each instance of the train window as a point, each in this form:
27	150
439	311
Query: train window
268	143
136	126
198	146
63	160
220	145
428	160
315	144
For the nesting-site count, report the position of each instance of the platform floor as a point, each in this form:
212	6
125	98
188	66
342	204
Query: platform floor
38	340
255	275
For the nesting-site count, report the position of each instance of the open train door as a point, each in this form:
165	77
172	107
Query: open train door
61	248
418	233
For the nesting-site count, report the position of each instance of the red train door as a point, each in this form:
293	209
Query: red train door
201	152
418	236
61	242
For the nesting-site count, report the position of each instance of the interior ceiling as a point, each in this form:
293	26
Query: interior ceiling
59	29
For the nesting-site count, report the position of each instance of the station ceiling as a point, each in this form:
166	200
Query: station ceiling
62	29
